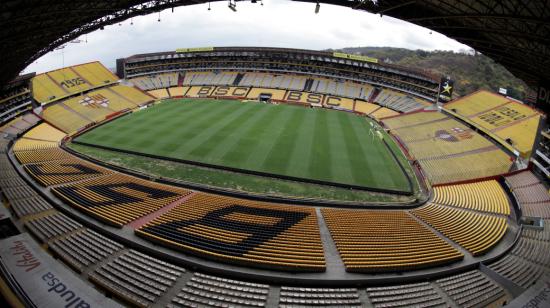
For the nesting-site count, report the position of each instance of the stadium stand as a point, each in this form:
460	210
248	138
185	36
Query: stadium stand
37	156
51	225
398	101
136	278
209	78
177	91
447	150
407	295
64	171
241	231
159	93
530	193
159	81
478	233
19	125
383	112
55	85
365	107
315	297
275	94
205	290
486	196
341	88
511	123
374	241
118	199
471	289
15	98
83	248
78	112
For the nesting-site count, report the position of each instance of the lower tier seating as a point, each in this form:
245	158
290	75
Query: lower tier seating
37	156
407	295
136	278
486	196
49	226
118	199
478	233
205	290
315	297
241	231
376	241
471	289
64	171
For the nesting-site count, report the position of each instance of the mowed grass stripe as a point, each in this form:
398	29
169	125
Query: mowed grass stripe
282	139
319	156
338	154
278	158
240	152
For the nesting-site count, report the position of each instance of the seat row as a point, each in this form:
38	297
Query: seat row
57	172
381	241
241	231
486	196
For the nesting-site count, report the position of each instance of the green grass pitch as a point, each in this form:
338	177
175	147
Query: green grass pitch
281	139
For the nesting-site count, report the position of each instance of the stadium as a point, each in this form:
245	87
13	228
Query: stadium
272	177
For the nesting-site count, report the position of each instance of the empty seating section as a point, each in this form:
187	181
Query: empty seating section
159	81
118	199
127	97
205	290
83	249
447	150
318	297
341	88
275	93
471	289
19	124
266	80
530	193
37	156
398	101
486	196
177	91
159	93
407	295
90	106
136	278
365	107
39	137
529	259
478	233
49	226
55	85
65	118
209	78
383	112
57	172
377	241
500	117
241	231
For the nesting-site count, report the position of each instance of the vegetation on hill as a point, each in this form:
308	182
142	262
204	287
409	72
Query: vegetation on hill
471	71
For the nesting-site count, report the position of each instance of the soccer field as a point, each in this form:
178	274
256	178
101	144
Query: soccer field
287	140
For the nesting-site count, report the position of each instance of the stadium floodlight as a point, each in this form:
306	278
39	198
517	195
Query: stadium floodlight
232	6
317	8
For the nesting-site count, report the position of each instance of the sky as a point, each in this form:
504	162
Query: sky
278	23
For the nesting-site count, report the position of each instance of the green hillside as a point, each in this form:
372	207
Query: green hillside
470	72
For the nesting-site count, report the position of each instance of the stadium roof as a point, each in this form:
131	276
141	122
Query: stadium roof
515	33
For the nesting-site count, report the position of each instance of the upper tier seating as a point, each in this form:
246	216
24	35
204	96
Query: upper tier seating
19	124
478	233
209	78
376	241
447	150
159	81
118	199
267	80
237	230
487	196
55	85
341	88
500	117
398	101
